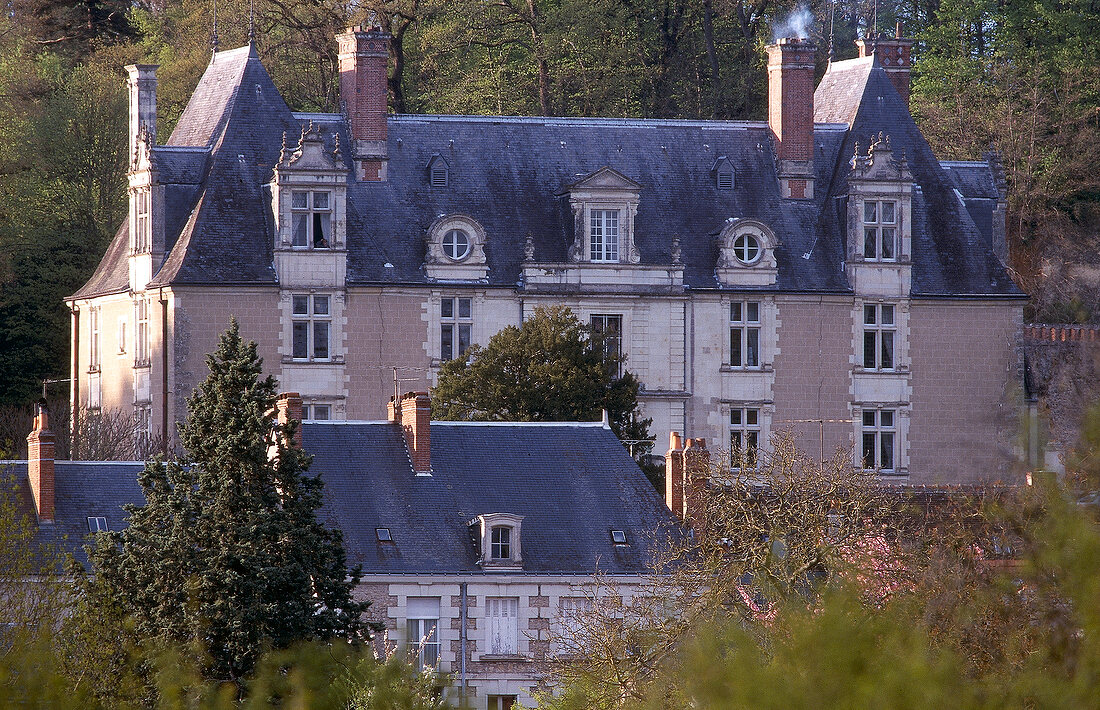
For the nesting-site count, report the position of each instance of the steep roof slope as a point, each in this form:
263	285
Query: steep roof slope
951	256
573	483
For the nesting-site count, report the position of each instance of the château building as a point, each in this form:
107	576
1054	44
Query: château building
820	271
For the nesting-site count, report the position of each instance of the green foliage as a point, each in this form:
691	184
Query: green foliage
227	553
551	368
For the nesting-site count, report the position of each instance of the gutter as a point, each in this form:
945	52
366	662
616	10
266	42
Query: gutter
462	644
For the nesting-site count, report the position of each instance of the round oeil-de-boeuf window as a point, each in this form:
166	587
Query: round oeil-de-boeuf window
456	244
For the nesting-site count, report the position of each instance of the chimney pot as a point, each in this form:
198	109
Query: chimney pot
40	463
674	476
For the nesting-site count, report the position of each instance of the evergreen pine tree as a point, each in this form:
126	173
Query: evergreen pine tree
227	552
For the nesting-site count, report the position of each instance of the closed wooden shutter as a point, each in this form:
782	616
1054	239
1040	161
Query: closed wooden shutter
503	629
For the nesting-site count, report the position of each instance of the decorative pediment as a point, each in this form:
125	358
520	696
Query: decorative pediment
880	164
746	253
312	153
456	249
606	178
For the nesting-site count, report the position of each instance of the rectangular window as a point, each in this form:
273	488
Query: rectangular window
880	230
121	335
611	327
744	438
422	629
878	337
503	625
143	430
316	412
311	219
97	524
456	327
311	323
572	612
745	334
141	332
501	543
604	235
93	343
501	702
878	436
142	239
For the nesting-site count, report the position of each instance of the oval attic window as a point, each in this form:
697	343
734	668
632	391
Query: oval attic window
746	248
456	244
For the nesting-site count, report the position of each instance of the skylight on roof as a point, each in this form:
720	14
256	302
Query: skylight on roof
618	537
383	534
97	524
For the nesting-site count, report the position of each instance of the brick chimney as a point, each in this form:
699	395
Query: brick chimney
416	415
142	87
40	453
894	55
696	475
289	408
364	95
791	114
674	476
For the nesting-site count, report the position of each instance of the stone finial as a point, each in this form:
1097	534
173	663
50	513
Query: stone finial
529	248
676	254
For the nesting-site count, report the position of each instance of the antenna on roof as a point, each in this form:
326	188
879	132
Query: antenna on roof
832	24
251	21
214	31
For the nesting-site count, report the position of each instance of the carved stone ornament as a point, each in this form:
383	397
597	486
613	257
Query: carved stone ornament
746	253
311	153
880	163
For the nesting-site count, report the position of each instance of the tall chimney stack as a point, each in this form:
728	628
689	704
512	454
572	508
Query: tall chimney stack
416	416
791	114
289	408
674	476
142	86
894	55
364	93
40	455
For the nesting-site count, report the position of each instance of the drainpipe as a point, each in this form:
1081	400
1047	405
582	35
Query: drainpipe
462	643
164	372
74	385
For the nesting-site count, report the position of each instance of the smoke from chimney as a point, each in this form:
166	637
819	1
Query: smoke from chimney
795	25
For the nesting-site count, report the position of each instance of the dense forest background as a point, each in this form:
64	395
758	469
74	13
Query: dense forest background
1023	77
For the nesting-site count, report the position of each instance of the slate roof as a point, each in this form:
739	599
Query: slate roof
509	174
82	489
573	483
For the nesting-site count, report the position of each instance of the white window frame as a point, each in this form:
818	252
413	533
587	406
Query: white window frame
456	330
143	429
121	335
572	613
746	433
500	543
142	221
502	626
880	337
502	702
316	412
878	231
881	433
315	322
422	632
141	332
743	330
452	239
489	522
610	325
93	338
604	229
307	217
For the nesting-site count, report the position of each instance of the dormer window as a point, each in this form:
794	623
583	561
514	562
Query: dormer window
456	244
501	544
142	232
497	536
604	205
880	230
746	248
604	235
723	173
312	219
438	171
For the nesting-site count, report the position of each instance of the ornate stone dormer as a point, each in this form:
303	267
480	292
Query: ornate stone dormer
746	254
879	221
146	196
308	200
455	249
604	204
